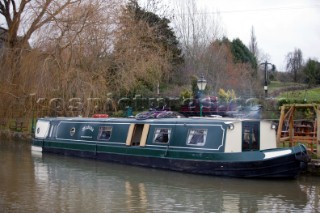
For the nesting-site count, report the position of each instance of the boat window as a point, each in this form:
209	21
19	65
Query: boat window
105	133
197	137
162	135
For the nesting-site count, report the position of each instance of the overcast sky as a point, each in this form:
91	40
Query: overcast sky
280	25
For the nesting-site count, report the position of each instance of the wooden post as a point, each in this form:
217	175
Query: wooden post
318	132
281	120
291	125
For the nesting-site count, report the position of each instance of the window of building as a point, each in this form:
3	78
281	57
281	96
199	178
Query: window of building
162	135
197	137
105	133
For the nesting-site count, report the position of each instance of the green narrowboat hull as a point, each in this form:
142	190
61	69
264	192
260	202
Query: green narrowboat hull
81	137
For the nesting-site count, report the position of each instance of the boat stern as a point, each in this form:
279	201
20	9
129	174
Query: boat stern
287	162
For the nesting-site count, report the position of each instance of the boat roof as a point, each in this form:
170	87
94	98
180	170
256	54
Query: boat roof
202	120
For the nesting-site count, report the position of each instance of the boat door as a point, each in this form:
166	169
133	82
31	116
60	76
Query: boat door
250	135
137	135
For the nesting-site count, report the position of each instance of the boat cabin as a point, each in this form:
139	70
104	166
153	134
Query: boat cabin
214	134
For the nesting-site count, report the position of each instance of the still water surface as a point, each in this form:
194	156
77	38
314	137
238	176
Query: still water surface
54	183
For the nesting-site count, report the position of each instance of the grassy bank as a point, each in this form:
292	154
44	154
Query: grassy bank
307	95
294	92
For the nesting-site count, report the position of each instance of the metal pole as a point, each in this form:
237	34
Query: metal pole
265	80
200	107
32	125
201	83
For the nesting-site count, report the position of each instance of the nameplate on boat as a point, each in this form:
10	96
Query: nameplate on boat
84	136
87	127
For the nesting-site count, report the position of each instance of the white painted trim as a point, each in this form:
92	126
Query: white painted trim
130	134
144	135
273	154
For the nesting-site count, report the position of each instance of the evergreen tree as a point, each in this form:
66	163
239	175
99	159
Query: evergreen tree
242	54
164	35
312	72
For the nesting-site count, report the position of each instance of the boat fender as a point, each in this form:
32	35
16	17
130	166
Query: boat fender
303	156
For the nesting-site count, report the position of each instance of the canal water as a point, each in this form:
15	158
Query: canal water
53	183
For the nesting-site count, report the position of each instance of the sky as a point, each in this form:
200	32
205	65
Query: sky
280	26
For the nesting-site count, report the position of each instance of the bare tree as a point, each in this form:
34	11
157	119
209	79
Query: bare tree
24	17
253	45
294	63
69	57
227	74
196	29
78	46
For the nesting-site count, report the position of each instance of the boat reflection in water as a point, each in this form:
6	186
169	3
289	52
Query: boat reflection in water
69	184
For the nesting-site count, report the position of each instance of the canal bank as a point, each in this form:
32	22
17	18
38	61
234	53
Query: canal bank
314	167
14	135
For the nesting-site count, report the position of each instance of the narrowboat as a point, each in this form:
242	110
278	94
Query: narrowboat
232	147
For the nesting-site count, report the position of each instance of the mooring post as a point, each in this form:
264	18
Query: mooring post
291	125
318	132
280	124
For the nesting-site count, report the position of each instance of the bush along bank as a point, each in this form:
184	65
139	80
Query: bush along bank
7	134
